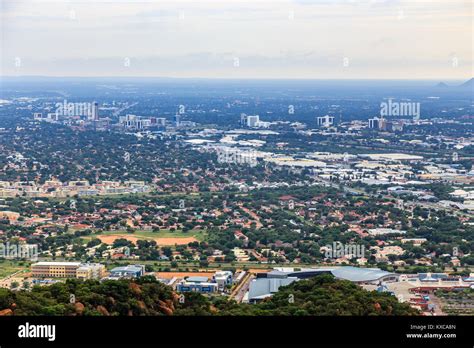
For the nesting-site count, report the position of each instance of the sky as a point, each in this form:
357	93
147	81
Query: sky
301	39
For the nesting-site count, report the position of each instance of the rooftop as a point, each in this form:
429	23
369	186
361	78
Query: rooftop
261	288
52	263
197	279
354	274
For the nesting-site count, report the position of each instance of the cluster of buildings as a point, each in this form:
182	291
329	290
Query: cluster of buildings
253	121
74	114
382	124
404	286
40	271
410	288
87	114
141	122
138	123
391	168
58	189
375	123
78	270
266	284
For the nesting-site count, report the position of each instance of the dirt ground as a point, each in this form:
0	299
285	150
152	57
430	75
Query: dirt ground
175	240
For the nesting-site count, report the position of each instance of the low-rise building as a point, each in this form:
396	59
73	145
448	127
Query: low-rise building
129	271
197	284
55	269
415	241
91	271
223	278
68	270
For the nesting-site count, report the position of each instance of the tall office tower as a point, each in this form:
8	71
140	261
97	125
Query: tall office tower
95	111
383	124
252	121
374	123
177	120
325	121
243	119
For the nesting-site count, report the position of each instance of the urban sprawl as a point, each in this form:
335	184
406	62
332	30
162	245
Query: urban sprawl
92	191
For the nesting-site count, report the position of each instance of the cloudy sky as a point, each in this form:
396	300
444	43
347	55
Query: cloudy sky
239	39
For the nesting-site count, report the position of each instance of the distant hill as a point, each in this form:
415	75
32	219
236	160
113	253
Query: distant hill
442	85
468	83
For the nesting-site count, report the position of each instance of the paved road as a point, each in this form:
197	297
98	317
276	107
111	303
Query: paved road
239	292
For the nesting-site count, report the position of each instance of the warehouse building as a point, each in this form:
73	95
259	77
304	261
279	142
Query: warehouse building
129	271
197	284
266	284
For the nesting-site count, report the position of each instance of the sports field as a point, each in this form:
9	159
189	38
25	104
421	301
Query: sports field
163	237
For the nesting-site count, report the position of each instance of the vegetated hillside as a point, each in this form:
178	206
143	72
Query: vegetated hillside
144	296
322	295
325	295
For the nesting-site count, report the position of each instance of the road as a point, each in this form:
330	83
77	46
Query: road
240	290
119	111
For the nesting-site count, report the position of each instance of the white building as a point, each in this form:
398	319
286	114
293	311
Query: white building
223	278
325	121
253	121
374	123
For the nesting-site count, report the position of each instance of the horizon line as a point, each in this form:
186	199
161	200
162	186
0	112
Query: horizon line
440	79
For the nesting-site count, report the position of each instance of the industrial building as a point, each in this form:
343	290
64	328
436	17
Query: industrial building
197	284
223	279
266	284
130	271
262	288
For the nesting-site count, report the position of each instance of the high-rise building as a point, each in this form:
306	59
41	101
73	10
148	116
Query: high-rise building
253	121
383	124
325	121
95	111
374	123
177	120
243	119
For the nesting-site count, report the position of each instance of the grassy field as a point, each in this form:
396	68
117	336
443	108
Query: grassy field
8	267
200	235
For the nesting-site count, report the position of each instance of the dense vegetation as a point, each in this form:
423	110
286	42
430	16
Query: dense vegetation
322	295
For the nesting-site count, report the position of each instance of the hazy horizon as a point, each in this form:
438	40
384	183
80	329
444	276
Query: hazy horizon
434	79
236	39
